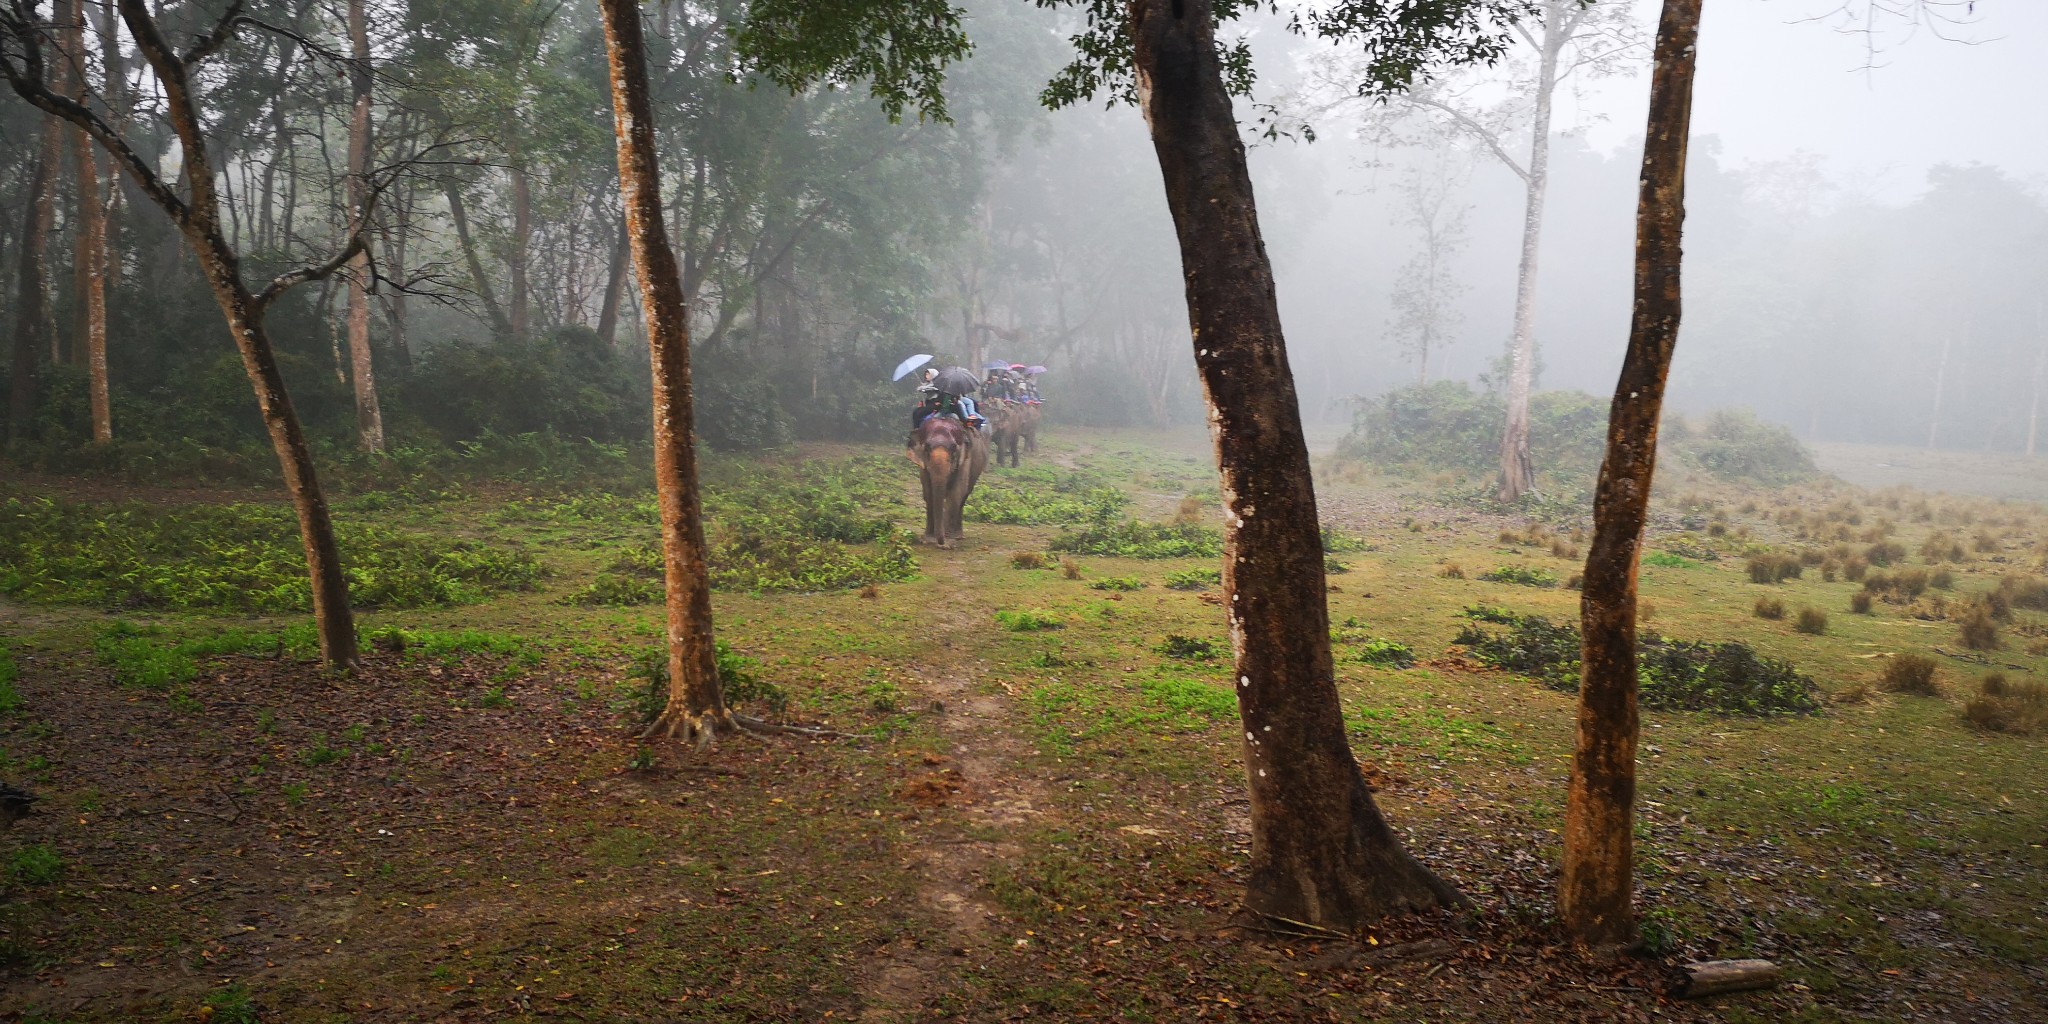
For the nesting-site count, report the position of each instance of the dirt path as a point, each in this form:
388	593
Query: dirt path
982	778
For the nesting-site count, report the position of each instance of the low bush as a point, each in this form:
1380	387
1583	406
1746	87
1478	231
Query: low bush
739	681
1118	583
1901	587
1029	620
1130	538
1883	553
635	577
1674	675
1768	608
1451	571
1017	504
1941	579
768	557
1188	648
1976	629
2016	707
1910	673
1668	560
2030	592
1859	602
1194	579
1385	653
1775	567
1029	560
1811	621
1940	547
1521	576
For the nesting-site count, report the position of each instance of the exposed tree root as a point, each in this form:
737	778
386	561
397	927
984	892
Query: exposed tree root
701	731
755	725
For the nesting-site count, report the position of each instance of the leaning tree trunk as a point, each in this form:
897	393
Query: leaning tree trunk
1517	468
369	417
614	283
1321	852
459	215
522	244
696	706
32	306
1595	897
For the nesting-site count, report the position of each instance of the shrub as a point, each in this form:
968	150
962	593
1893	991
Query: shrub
35	864
1056	501
1774	567
1883	553
1859	602
1070	570
1854	567
1188	648
1521	576
739	680
1940	547
1337	542
1131	538
1768	608
1451	571
1121	583
1194	579
1977	630
1676	675
1029	621
1669	560
2029	592
1812	621
1028	560
1896	588
1941	579
1910	673
2020	708
569	382
1385	653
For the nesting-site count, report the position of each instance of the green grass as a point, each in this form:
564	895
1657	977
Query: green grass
1029	620
35	864
10	699
1130	538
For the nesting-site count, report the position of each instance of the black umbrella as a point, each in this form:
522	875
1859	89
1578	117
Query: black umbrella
956	381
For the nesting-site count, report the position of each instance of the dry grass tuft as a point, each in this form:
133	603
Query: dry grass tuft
1812	621
2002	705
1910	673
1768	607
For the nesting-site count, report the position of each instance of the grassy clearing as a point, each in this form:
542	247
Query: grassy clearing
1885	847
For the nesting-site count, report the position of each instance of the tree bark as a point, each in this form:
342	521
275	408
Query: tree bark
614	284
460	215
88	253
1321	852
696	708
1517	468
32	320
362	373
1596	894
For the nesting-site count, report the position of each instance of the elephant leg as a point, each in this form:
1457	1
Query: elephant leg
934	510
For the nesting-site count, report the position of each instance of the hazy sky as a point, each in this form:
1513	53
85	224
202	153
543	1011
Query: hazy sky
1772	84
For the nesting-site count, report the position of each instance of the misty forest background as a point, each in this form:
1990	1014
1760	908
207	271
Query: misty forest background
823	243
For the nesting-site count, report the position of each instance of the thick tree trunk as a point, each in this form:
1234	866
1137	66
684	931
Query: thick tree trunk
696	706
1517	469
614	284
369	417
460	215
32	321
1596	894
1321	852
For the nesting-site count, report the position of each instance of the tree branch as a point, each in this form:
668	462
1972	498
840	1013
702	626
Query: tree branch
287	281
1477	130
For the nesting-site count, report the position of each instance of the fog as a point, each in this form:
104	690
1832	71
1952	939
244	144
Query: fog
1866	219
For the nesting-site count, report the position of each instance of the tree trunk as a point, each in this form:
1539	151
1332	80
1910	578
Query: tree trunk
484	294
615	282
88	254
1596	894
1321	852
2040	363
32	321
369	417
1517	469
522	243
1948	342
696	706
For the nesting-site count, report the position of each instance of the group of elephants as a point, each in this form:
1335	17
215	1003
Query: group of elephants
951	455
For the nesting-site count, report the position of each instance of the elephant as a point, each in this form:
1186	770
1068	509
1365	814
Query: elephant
1012	422
950	456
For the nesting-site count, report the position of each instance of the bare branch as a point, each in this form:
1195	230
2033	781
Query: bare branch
1479	131
287	281
222	31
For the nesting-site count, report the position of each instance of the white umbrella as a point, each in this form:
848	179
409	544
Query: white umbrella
910	364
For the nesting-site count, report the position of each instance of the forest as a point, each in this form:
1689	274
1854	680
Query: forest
776	510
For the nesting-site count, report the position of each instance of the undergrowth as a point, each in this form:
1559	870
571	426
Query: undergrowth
241	557
1674	675
1131	538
